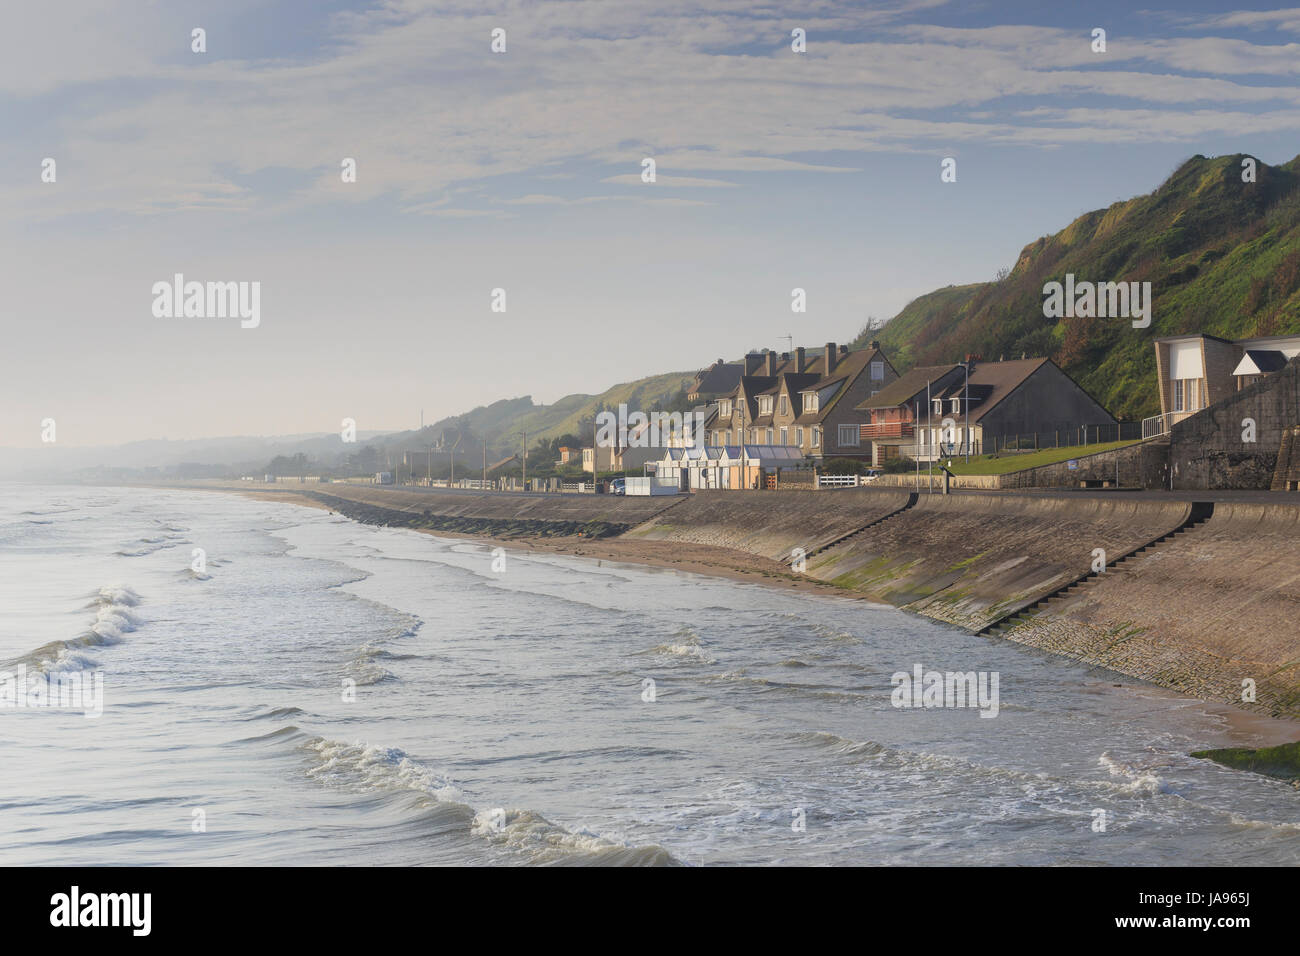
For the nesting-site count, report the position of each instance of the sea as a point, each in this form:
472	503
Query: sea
278	685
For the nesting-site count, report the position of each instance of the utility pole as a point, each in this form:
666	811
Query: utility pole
966	401
916	444
593	464
429	462
929	464
483	484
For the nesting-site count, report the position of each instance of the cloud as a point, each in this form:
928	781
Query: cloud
412	91
634	179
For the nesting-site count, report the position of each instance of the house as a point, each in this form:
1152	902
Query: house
718	379
567	455
806	400
891	412
1195	371
987	406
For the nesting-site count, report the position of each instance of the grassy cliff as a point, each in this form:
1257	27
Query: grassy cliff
1223	257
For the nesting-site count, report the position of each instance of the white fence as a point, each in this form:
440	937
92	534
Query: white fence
837	481
581	486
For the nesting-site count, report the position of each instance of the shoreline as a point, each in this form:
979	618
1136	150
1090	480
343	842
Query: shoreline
1241	726
703	559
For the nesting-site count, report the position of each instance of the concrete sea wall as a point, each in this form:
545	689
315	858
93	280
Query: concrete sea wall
488	513
771	524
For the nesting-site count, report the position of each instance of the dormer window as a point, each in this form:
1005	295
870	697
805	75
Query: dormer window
938	406
724	409
810	401
785	406
765	404
956	404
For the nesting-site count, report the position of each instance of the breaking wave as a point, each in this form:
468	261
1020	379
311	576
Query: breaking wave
361	768
114	619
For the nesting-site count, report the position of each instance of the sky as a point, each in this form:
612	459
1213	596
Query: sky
522	170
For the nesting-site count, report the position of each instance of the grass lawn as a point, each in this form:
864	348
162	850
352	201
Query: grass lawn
1004	463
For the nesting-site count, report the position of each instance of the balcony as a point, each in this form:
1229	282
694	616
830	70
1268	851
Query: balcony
881	430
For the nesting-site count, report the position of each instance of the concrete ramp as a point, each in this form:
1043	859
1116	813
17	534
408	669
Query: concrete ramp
970	559
771	523
1201	614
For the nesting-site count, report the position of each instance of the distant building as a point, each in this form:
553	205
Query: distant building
1195	371
806	400
718	379
891	426
1029	400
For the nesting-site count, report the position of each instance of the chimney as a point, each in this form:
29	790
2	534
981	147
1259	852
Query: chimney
830	359
844	350
875	344
769	363
800	363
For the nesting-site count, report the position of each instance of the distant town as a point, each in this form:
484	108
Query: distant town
833	417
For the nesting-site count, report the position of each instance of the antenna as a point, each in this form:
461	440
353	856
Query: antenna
790	339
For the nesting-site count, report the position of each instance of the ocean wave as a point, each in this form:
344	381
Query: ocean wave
1137	779
841	745
113	620
363	768
685	643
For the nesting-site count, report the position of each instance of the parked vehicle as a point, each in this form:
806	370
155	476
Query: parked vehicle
871	475
618	487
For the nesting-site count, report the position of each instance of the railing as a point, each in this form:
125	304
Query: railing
1155	425
1162	424
887	430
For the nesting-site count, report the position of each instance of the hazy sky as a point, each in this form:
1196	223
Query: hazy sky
521	170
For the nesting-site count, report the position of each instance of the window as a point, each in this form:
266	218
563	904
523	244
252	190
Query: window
849	436
1187	394
938	406
724	409
769	436
785	436
816	436
810	401
765	404
726	437
798	436
785	405
956	404
878	371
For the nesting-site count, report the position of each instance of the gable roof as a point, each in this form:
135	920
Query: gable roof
718	379
991	382
904	389
1260	362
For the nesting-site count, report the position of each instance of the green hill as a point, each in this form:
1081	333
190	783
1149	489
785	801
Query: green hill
503	423
1223	257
